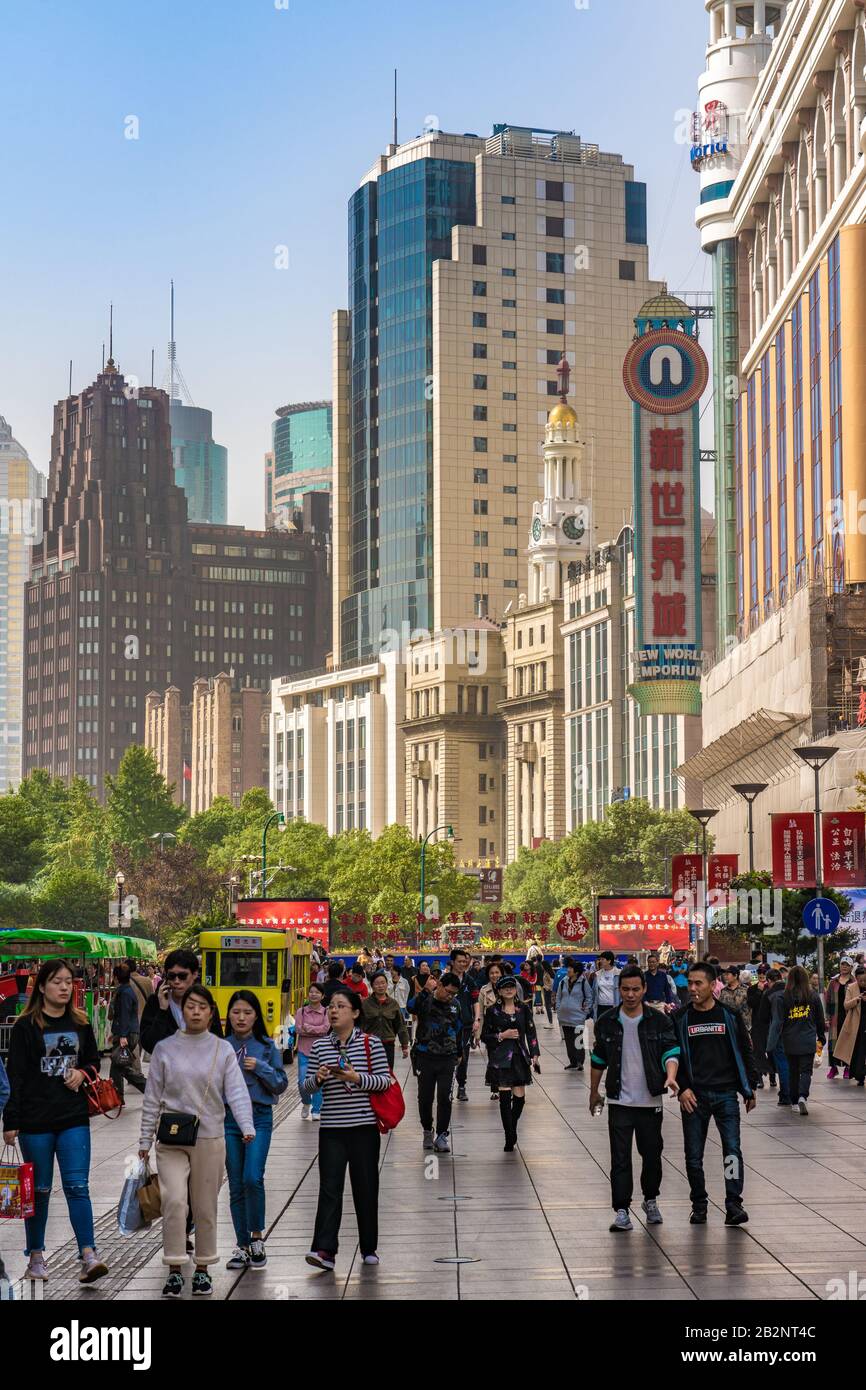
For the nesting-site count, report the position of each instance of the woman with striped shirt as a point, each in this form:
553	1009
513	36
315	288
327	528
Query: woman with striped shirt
347	1064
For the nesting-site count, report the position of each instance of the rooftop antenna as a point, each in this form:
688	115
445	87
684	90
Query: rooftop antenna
103	356
152	357
111	332
174	379
395	107
70	376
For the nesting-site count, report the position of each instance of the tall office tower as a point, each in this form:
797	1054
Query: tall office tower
741	36
200	465
126	596
21	488
474	266
299	461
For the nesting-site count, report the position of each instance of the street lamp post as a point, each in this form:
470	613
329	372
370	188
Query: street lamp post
162	836
120	879
450	834
815	755
703	817
281	821
749	791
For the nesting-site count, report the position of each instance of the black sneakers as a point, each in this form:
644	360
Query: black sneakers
736	1215
173	1287
699	1214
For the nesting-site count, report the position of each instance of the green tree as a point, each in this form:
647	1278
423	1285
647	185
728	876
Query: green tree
72	899
209	828
383	876
16	905
164	887
139	802
22	848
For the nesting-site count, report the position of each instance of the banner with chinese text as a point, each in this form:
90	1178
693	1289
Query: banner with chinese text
793	850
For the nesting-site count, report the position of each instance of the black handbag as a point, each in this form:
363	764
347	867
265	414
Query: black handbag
176	1128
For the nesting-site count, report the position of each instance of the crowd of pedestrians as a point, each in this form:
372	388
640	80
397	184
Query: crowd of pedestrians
711	1037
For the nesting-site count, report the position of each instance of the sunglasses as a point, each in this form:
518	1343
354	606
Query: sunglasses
178	975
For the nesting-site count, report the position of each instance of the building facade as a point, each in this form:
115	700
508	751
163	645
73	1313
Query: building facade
21	489
217	745
797	211
126	596
474	265
337	746
200	465
299	461
455	738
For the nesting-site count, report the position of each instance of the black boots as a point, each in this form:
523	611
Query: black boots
510	1109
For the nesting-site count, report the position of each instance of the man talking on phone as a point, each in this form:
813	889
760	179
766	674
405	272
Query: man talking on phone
162	1016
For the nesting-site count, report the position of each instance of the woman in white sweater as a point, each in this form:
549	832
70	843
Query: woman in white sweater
193	1073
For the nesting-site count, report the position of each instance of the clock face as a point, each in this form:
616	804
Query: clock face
573	528
536	529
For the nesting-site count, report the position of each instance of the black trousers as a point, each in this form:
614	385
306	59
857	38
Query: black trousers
357	1148
389	1052
435	1077
576	1055
463	1065
638	1122
800	1075
128	1069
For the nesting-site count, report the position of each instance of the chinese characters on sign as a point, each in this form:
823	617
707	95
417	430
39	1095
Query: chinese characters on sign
639	924
842	836
311	917
687	871
793	850
721	868
665	373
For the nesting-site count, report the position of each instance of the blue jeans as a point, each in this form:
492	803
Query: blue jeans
724	1108
780	1063
72	1150
303	1065
245	1164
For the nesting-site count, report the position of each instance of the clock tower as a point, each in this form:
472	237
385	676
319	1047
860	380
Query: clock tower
560	529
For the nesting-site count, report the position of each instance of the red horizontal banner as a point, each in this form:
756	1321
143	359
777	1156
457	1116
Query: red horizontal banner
639	924
309	916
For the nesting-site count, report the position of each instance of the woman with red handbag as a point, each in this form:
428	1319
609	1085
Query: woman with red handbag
350	1066
50	1049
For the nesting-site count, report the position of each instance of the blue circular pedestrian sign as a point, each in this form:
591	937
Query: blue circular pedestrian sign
821	916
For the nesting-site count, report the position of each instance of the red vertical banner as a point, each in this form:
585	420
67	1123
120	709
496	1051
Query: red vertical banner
721	868
842	844
794	850
687	871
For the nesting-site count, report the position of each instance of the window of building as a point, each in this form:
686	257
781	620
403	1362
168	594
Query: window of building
479	288
626	270
479	444
509	271
479	538
482	752
556	326
554	263
479	475
479	320
479	506
555	296
509	333
479	383
509	236
480	567
482	815
507	198
554	226
509	303
509	366
479	412
551	190
479	350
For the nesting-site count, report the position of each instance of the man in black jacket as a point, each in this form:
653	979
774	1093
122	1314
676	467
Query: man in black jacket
717	1066
438	1049
162	1013
637	1047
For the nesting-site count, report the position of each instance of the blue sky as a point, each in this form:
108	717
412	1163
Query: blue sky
254	126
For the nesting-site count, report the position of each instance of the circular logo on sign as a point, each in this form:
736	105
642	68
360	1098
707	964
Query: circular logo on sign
572	925
665	372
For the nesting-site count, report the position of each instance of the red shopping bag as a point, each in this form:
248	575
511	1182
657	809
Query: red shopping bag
17	1185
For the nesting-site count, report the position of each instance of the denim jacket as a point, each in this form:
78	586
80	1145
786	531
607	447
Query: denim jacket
269	1079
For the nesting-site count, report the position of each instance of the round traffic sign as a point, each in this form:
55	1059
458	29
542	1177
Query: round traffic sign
821	916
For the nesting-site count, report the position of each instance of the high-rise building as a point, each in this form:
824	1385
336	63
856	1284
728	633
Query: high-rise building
741	36
795	217
474	265
127	596
200	465
21	488
299	461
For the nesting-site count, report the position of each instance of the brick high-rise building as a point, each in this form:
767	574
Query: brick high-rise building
126	596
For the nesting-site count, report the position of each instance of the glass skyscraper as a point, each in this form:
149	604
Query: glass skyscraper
398	226
300	458
200	465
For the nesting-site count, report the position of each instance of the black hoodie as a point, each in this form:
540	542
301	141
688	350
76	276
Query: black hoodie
40	1103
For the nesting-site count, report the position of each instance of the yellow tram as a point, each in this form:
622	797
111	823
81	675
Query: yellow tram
274	965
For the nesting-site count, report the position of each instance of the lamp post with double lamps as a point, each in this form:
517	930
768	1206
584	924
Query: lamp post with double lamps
749	791
815	755
703	816
281	822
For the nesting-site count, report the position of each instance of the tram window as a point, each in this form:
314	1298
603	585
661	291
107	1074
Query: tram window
271	968
241	968
210	968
